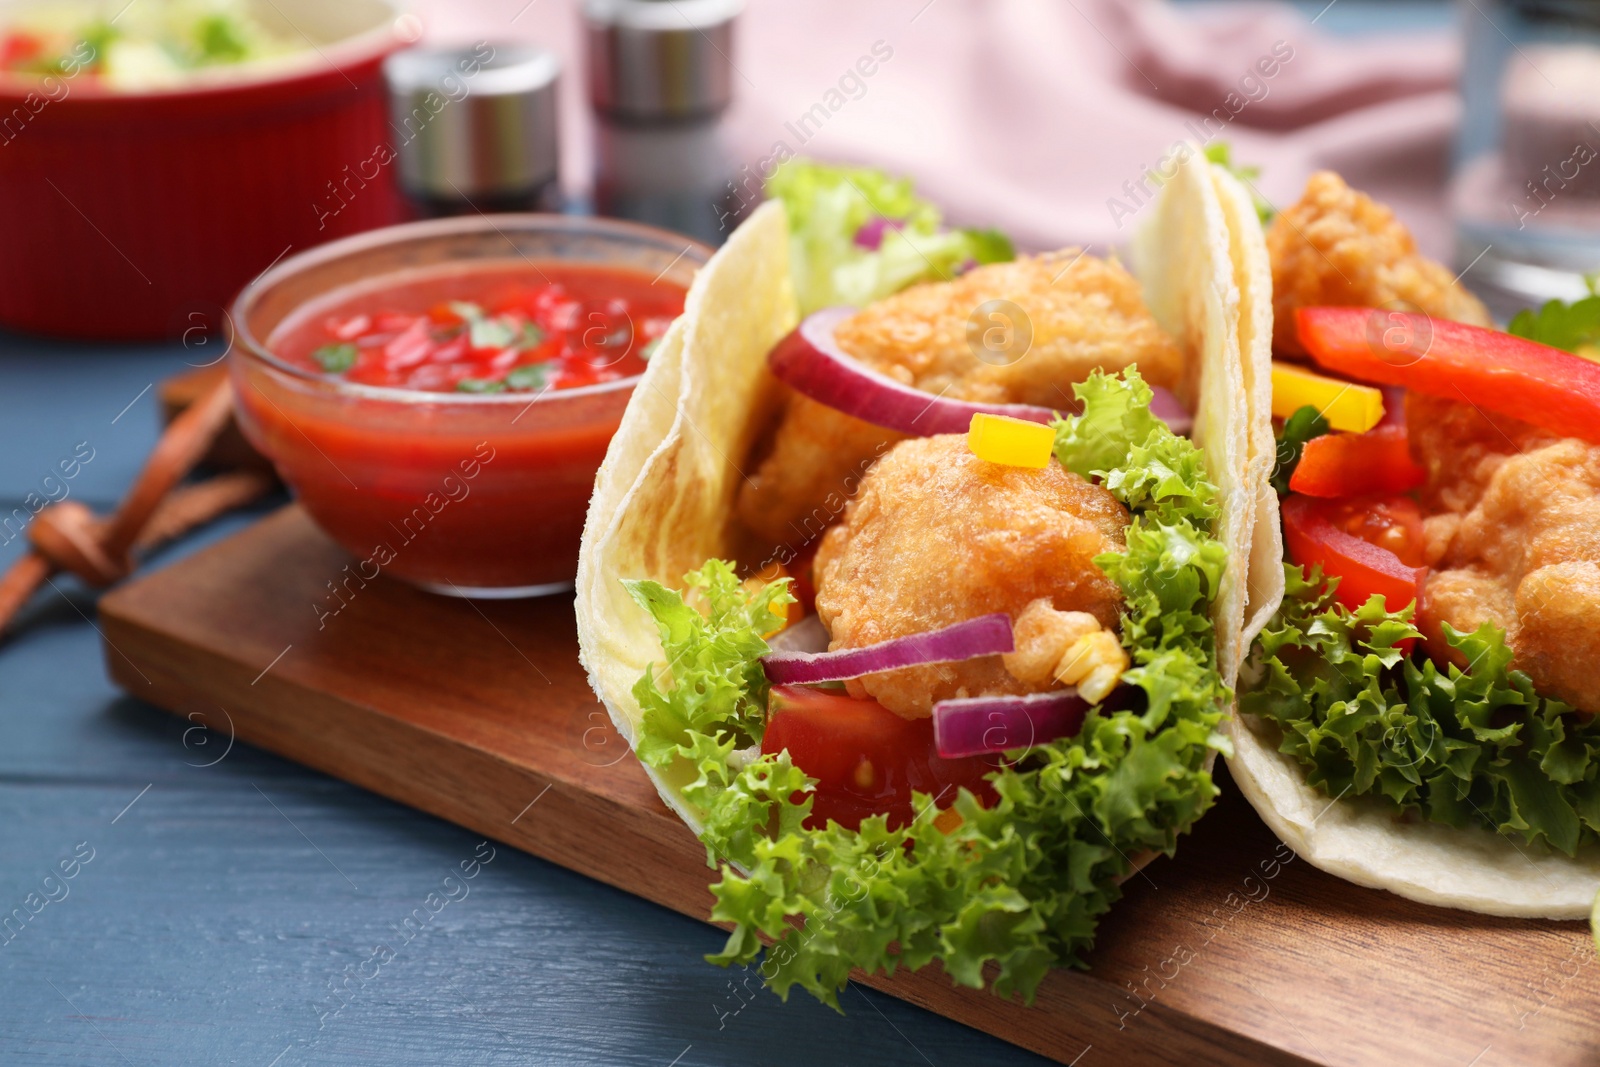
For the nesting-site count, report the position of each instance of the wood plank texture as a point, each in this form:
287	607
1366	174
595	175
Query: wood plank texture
1234	952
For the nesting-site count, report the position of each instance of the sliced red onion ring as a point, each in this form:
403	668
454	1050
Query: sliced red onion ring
810	361
976	726
986	635
870	235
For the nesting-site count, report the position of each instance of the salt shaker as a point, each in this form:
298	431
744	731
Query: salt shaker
660	78
475	128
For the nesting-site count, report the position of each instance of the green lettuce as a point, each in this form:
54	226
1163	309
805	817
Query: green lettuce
1475	747
1018	886
827	206
1574	327
1221	153
1306	423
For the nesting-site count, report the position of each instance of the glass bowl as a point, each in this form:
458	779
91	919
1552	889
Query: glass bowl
478	495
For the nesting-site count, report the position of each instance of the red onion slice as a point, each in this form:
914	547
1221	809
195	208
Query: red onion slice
976	726
870	235
986	635
811	362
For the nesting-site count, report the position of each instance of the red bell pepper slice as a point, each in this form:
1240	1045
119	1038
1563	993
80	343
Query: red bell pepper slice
1318	532
1357	464
1496	371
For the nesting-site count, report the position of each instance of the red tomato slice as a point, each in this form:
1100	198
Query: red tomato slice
866	759
1361	542
1496	371
1357	464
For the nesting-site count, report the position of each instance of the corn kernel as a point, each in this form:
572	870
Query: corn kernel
1347	406
1094	664
1014	442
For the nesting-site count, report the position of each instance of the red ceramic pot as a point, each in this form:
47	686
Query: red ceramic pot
135	216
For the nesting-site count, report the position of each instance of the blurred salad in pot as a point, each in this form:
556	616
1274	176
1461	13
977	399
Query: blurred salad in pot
151	44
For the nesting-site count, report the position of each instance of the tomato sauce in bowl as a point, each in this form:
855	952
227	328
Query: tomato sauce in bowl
442	414
523	328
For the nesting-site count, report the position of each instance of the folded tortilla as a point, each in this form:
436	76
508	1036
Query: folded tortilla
664	496
1359	839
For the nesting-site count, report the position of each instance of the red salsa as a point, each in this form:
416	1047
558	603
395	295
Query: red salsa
542	329
457	495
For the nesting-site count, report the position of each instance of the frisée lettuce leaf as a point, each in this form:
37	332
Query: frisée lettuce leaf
1473	747
1307	423
828	207
1573	327
1221	153
1019	885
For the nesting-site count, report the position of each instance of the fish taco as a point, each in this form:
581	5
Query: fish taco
906	586
1419	714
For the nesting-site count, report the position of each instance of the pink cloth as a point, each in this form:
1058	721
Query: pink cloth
1030	115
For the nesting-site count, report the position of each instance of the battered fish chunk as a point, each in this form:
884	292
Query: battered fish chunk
938	536
1085	313
1515	540
1340	247
1069	647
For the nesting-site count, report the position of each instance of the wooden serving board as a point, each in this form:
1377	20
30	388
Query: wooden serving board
1232	953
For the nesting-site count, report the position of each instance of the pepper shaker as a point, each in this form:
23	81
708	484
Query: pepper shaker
660	78
476	128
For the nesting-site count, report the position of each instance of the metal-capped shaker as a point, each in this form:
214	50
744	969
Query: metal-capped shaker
475	127
660	76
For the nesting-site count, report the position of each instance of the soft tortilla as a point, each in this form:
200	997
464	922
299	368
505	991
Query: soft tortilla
1252	272
1356	839
1184	260
1362	842
664	494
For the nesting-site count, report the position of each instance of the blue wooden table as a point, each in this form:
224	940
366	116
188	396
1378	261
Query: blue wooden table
218	898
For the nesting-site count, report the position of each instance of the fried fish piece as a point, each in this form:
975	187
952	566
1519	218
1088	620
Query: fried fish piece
1340	247
1070	647
938	536
1514	537
1084	313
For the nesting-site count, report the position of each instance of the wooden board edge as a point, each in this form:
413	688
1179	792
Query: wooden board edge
136	661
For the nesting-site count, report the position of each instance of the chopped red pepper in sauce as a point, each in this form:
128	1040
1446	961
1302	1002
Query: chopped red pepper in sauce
560	328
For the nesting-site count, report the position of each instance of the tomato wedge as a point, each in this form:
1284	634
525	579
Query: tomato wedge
866	759
1496	371
1361	543
1357	464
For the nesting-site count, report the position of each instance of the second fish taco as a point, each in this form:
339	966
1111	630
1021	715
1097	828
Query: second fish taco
929	634
1420	714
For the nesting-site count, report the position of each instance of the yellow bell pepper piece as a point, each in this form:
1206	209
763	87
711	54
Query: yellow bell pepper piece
1014	442
1347	406
788	614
